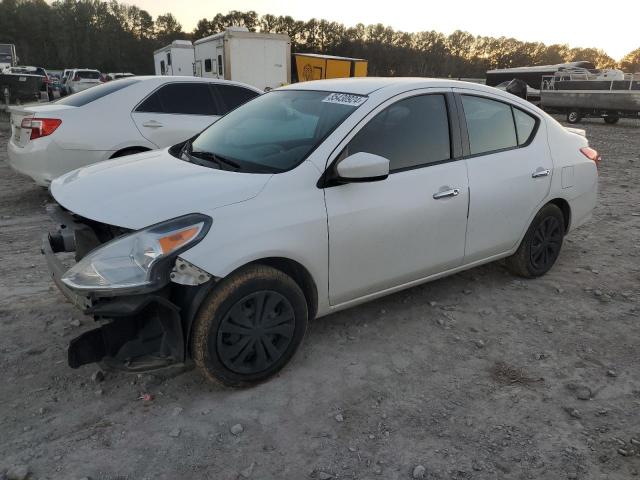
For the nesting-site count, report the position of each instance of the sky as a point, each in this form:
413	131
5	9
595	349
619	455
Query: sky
612	26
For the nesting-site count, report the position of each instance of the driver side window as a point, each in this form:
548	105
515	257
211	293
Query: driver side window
410	133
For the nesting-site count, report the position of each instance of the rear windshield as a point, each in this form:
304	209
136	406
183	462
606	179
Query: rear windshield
92	75
87	96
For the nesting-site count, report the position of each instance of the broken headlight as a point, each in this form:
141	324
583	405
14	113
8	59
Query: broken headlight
134	261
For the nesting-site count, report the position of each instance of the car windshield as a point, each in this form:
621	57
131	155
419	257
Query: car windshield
274	132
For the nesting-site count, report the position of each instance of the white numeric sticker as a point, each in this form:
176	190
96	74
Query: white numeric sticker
345	99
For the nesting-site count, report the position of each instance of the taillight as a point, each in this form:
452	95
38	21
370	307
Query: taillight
40	127
591	154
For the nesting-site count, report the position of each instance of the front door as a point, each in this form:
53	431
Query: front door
411	225
510	171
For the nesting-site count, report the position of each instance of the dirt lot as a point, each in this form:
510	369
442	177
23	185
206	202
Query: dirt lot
477	376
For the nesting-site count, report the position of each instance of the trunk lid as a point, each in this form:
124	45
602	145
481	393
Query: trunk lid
22	136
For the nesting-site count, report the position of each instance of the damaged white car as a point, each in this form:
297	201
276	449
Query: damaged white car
305	201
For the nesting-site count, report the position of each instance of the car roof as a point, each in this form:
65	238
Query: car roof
186	78
368	85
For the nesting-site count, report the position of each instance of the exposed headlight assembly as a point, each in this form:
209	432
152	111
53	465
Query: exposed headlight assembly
139	260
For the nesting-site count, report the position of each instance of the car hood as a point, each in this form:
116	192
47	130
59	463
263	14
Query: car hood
147	188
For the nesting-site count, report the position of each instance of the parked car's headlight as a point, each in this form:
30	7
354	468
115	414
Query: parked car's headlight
130	262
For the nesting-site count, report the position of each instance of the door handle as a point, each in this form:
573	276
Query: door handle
152	124
541	172
452	192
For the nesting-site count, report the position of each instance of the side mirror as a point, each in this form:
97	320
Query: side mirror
362	167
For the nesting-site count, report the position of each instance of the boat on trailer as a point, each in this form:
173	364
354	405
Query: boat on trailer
580	92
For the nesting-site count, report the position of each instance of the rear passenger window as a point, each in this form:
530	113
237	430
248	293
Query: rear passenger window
181	98
525	124
151	104
409	133
489	123
232	96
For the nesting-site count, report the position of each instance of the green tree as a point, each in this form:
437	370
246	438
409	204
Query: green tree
631	62
168	28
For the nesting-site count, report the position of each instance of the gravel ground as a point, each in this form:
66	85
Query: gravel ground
476	376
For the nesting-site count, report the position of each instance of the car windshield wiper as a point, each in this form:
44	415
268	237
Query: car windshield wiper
212	157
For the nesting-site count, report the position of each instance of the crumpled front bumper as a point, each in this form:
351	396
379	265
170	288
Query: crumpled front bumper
57	269
138	332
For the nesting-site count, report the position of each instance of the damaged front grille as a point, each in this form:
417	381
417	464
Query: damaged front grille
79	234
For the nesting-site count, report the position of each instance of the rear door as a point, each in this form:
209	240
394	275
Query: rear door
175	112
510	170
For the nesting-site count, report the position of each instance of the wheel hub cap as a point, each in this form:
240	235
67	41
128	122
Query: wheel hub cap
547	240
255	332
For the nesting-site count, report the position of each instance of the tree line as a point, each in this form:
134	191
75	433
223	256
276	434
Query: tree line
115	37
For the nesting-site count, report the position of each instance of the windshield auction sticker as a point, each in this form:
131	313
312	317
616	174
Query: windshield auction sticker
345	99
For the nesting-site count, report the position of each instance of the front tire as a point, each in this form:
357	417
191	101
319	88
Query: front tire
249	326
611	119
541	244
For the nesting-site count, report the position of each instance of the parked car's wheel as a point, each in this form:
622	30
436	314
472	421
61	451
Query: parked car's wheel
574	116
611	119
249	327
541	244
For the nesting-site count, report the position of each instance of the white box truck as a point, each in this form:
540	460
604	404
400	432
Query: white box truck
174	59
259	59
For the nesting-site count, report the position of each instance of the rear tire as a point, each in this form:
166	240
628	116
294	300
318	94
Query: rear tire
249	327
541	244
574	116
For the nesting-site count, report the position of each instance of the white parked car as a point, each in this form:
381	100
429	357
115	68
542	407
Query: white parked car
115	119
307	200
81	79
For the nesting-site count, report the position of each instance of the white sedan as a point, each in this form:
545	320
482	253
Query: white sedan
115	119
307	200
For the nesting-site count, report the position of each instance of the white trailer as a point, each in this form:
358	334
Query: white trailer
259	59
174	59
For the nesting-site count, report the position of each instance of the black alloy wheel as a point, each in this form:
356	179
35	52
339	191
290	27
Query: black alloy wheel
256	332
546	243
541	244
